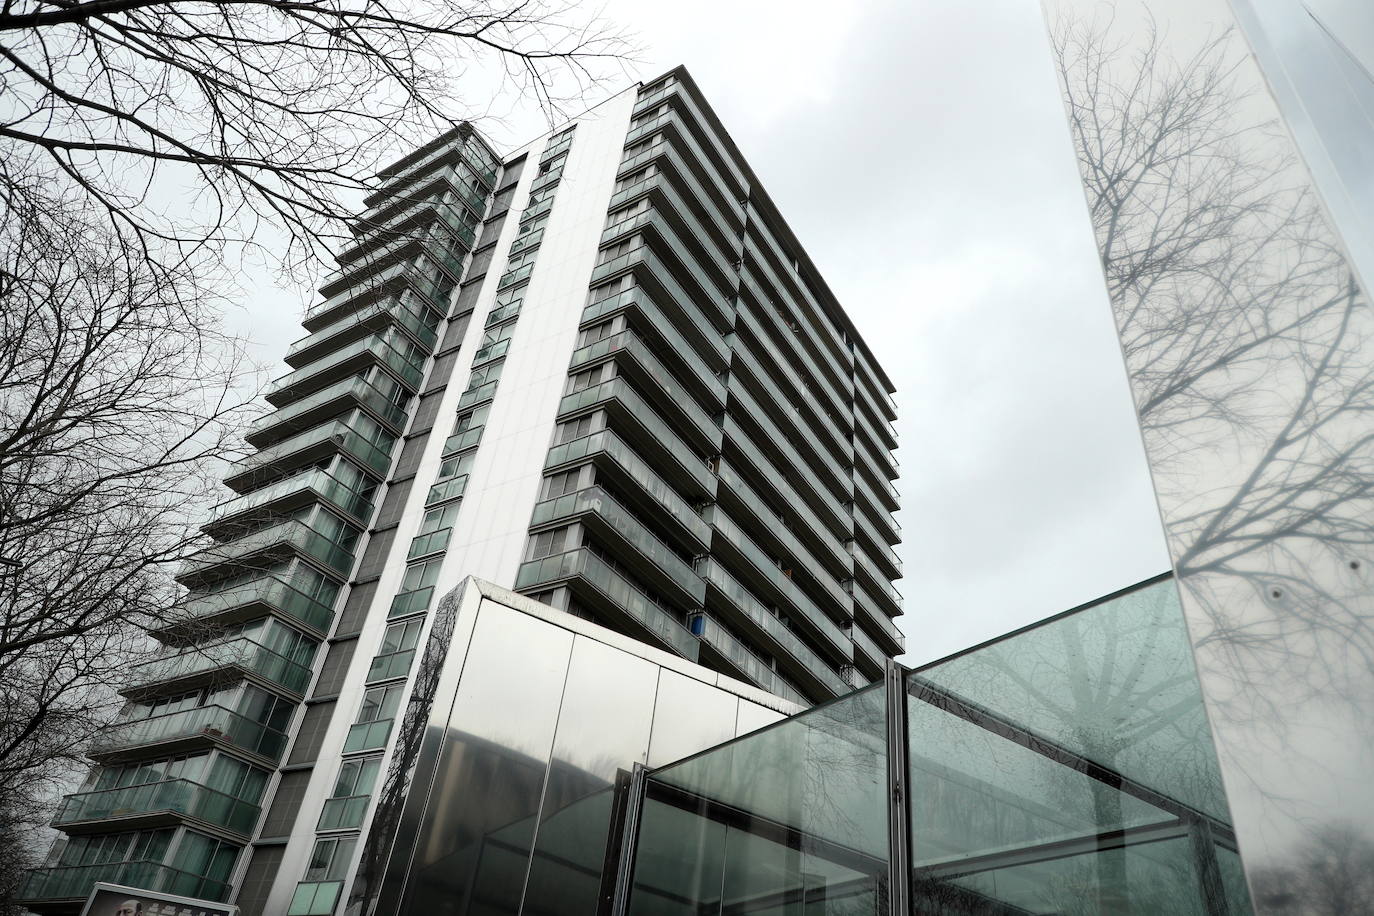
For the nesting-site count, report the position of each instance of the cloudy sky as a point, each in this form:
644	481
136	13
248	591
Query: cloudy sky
920	153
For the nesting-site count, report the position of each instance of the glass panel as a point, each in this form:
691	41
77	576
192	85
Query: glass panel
789	819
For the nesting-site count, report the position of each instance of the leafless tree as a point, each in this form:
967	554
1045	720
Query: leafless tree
198	123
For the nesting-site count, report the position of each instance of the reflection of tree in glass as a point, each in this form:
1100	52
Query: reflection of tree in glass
1114	684
1249	348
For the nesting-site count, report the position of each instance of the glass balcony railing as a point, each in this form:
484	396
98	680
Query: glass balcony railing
448	489
415	601
820	330
212	723
459	441
491	351
553	149
671	126
410	218
367	736
354	289
548	179
240	652
637	469
465	167
498	315
336	434
834	394
629	345
865	647
174	796
782	533
866	608
374	348
717	302
709	342
864	462
825	463
615	590
68	882
390	665
266	590
343	813
680	222
821	534
663	563
876	582
527	241
876	510
766	570
290	533
686	109
430	542
483	392
878	548
316	483
754	669
369	318
515	275
301	413
881	445
826	496
800	392
725	212
701	369
659	433
744	604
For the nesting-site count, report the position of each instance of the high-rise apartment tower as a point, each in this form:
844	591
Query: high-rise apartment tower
601	372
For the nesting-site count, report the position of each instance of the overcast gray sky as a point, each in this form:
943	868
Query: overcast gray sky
919	151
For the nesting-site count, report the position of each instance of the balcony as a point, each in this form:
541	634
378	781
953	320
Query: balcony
662	569
390	665
156	804
740	449
821	331
783	410
881	445
641	425
876	583
73	883
262	547
762	574
669	214
343	813
732	599
890	639
206	664
482	393
687	109
875	510
635	475
872	661
373	350
766	352
448	489
360	290
735	493
309	447
252	599
825	498
412	217
420	256
191	729
877	548
367	736
412	602
652	269
681	321
605	590
671	156
700	371
370	319
286	496
714	287
324	405
728	194
415	167
740	657
462	440
638	362
783	332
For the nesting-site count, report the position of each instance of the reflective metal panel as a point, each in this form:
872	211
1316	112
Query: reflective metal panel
688	715
603	727
479	822
1250	351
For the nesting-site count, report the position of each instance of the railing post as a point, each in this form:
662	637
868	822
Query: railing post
899	808
629	839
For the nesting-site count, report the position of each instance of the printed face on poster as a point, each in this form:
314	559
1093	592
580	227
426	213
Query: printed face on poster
114	900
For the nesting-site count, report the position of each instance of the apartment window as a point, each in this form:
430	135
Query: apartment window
547	543
440	518
417	589
471	418
497	334
457	465
529	225
630	212
521	259
596	332
589	377
618	249
643	146
421	575
488	373
576	429
345	807
375	716
635	177
607	290
566	482
318	894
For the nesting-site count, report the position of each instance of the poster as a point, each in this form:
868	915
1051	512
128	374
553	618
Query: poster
114	900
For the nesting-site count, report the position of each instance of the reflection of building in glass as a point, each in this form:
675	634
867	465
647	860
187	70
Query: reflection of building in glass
1226	151
1066	768
600	371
